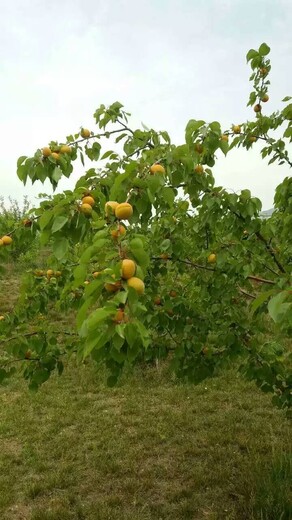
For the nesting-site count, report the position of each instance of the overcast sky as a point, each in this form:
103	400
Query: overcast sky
167	61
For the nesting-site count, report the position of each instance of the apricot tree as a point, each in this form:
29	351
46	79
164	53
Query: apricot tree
153	257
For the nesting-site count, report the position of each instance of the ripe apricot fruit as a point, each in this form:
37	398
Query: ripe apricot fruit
199	147
27	222
88	199
199	168
86	209
136	284
85	133
116	233
257	108
236	129
212	258
46	151
124	211
157	168
113	287
119	316
7	240
128	269
65	148
110	207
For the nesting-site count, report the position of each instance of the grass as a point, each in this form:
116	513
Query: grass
149	449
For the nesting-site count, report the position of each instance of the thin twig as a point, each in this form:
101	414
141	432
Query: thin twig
96	136
36	332
247	293
187	262
261	280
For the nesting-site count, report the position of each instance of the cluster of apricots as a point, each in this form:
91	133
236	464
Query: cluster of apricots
122	211
57	151
117	212
63	149
50	273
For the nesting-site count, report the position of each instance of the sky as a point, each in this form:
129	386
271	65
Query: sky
167	61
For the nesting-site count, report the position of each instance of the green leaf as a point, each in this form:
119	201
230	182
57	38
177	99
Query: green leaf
245	195
216	127
59	222
82	312
60	248
21	159
131	333
224	146
22	173
86	255
144	334
106	154
57	174
96	342
100	243
45	219
93	321
136	243
40	376
165	136
118	341
256	62
168	194
120	297
261	299
94	152
136	247
252	53
264	49
80	274
277	307
117	185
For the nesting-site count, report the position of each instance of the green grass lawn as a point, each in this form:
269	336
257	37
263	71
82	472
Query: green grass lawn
149	449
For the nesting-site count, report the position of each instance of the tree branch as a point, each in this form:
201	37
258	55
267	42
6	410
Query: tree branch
187	262
98	136
199	266
36	332
261	280
270	251
246	293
